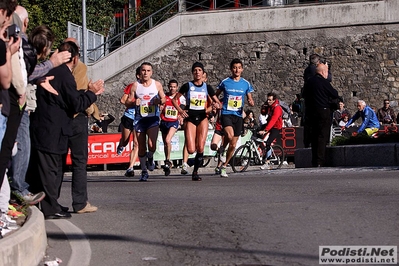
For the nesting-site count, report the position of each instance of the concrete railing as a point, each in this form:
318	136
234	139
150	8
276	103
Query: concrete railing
246	20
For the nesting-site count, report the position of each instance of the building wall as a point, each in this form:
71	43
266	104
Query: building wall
363	59
364	62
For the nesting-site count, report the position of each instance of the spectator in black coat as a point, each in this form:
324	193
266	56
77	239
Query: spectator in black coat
51	127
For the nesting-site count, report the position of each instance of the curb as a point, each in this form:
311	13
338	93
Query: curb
27	245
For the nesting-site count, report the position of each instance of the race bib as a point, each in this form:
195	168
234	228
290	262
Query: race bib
171	112
234	103
146	109
197	100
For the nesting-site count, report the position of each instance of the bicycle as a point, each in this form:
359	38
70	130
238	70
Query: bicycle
251	153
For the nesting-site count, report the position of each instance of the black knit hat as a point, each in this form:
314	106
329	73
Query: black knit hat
197	64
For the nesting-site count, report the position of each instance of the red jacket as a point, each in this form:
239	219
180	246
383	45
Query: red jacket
275	116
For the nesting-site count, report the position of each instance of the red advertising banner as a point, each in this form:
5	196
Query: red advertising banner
102	149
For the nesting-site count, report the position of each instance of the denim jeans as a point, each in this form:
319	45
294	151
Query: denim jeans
20	161
5	188
4	195
3	125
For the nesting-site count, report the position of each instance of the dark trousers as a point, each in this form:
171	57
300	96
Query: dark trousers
45	174
10	135
77	143
274	133
321	129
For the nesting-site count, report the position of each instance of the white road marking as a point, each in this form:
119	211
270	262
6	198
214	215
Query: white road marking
80	246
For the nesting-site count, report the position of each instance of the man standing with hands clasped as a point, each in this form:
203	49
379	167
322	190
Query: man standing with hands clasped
51	128
78	141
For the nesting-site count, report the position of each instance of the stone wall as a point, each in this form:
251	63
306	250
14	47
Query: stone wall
364	62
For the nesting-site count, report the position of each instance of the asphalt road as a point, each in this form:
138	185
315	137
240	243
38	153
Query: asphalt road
276	217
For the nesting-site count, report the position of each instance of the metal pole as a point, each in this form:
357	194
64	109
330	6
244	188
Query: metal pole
84	32
182	6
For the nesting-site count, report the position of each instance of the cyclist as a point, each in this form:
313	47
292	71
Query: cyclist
273	125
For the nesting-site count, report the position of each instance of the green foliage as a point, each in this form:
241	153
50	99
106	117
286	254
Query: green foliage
56	14
364	139
150	7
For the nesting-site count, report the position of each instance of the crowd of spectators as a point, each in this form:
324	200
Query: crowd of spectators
43	101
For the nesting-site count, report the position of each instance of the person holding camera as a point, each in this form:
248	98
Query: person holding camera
318	94
314	61
8	47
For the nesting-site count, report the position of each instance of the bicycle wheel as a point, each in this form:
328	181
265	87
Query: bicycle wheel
277	158
241	159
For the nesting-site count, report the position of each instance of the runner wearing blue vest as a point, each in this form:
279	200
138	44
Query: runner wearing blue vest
234	89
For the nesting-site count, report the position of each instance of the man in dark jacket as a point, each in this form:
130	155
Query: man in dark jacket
310	71
50	128
318	94
386	114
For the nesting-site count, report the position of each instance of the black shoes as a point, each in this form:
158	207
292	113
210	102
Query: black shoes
59	215
195	177
166	167
64	209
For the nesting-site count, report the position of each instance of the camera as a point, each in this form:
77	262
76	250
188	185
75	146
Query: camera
13	31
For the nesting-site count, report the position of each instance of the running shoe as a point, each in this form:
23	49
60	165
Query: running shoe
7	222
144	176
266	166
166	168
217	171
119	150
150	164
222	154
223	172
129	172
196	177
33	199
184	169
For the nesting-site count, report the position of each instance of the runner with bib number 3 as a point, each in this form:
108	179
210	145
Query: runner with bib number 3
234	89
